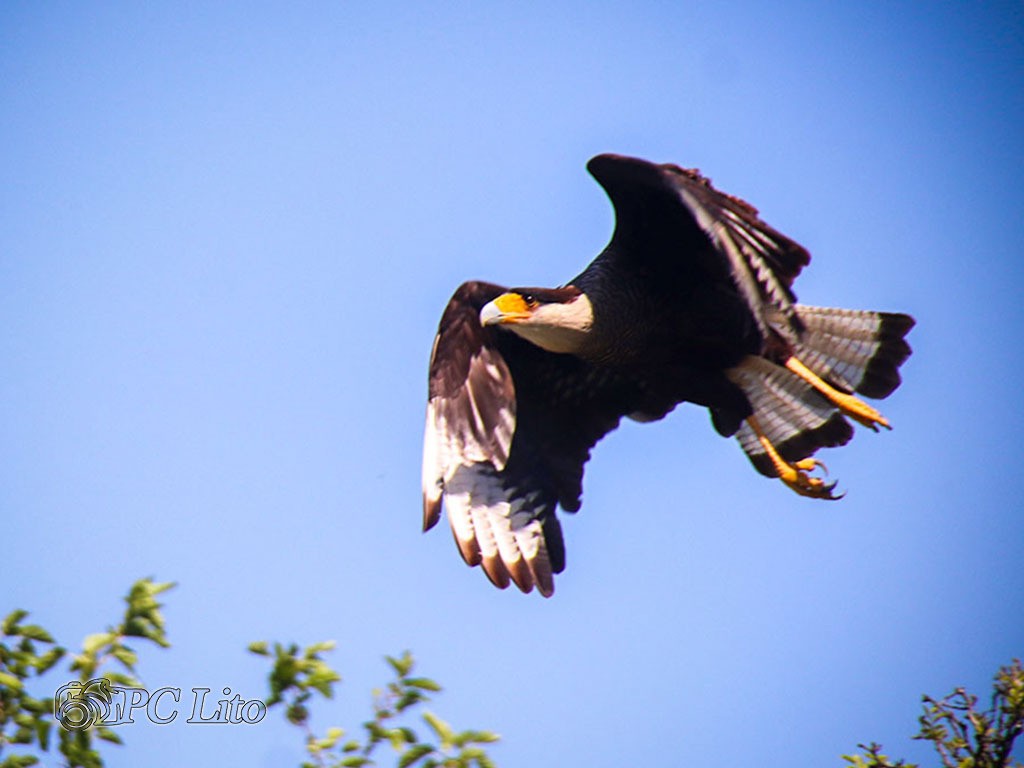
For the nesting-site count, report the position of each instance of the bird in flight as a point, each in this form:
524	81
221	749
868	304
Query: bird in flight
691	301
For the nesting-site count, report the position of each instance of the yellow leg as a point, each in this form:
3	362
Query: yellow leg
795	475
851	406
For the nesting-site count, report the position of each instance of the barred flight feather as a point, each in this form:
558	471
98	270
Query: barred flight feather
796	419
755	252
496	527
856	350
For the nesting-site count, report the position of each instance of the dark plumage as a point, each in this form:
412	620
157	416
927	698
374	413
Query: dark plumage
690	301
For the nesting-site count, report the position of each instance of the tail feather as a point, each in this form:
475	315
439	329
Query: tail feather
795	418
855	350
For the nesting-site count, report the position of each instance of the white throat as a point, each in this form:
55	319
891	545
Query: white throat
560	328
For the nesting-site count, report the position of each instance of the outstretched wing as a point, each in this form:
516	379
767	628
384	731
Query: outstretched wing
724	233
673	218
509	429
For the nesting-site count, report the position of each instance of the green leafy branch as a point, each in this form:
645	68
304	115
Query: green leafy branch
966	736
24	719
963	735
28	651
873	758
297	675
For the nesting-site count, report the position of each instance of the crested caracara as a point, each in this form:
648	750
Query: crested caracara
690	301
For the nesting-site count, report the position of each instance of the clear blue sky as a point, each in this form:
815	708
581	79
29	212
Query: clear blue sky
227	232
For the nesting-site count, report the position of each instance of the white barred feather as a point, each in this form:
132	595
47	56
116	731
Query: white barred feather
838	344
435	459
450	439
721	235
488	519
753	253
747	248
784	404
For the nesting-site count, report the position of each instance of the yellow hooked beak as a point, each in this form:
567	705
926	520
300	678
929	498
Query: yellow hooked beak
507	308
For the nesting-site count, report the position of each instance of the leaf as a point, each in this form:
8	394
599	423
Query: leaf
125	655
323	679
141	596
38	706
157	588
138	626
35	632
11	621
316	648
377	733
10	681
119	678
439	727
43	734
48	659
477	737
94	642
20	761
414	754
108	735
423	683
329	741
260	648
401	666
408	699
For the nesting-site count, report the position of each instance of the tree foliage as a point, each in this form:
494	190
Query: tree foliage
28	651
964	735
298	675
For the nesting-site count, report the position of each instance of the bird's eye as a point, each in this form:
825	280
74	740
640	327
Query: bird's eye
529	299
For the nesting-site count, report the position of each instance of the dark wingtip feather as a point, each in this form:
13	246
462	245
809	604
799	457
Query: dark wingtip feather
608	162
555	544
882	375
431	512
521	575
835	431
470	550
496	571
543	578
897	323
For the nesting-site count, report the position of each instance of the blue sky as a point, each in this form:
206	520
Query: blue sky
227	232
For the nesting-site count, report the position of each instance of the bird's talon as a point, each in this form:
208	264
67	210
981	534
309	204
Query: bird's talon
795	476
810	464
795	473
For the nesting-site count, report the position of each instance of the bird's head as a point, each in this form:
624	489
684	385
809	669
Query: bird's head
555	319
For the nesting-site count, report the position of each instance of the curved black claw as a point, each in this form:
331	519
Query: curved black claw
797	478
